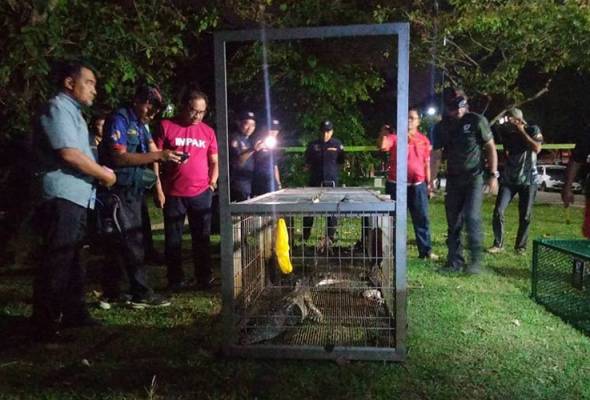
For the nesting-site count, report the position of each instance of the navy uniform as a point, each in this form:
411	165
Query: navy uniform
324	159
265	164
126	133
241	173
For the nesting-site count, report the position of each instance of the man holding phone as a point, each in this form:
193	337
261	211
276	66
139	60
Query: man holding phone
187	188
522	143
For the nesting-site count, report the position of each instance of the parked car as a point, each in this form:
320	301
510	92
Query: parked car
552	177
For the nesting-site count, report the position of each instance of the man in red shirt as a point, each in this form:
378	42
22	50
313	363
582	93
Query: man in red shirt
187	188
419	182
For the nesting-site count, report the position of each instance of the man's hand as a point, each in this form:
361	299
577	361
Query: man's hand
567	196
170	155
491	185
431	189
259	145
109	178
212	186
159	197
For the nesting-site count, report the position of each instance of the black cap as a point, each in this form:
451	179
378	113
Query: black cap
275	125
326	126
244	115
454	98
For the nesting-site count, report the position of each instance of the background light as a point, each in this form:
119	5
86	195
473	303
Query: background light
431	111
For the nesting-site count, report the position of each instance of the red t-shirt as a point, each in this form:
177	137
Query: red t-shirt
418	156
190	178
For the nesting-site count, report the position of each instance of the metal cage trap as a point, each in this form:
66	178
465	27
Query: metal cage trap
561	279
340	296
346	294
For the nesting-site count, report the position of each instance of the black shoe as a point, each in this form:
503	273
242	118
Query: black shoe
181	286
449	269
107	302
473	269
151	301
86	321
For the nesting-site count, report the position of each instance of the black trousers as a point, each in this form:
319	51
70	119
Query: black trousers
126	250
198	209
58	288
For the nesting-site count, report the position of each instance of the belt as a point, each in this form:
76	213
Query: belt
409	184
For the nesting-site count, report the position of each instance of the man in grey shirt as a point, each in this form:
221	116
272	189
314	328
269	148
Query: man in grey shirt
67	172
522	143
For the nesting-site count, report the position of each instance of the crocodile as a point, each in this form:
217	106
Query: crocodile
293	309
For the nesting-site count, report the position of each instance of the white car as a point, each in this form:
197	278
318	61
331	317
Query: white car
552	177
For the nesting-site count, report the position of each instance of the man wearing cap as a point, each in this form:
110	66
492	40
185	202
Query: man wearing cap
129	149
323	158
266	171
466	141
419	179
241	160
522	143
187	188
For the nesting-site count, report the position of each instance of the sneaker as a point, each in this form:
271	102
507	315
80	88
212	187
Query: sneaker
106	303
495	250
151	301
430	257
449	269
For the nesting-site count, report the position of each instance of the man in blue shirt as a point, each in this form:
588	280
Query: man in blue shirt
67	172
128	147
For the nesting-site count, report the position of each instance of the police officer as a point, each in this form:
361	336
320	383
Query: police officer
323	158
241	152
128	147
266	171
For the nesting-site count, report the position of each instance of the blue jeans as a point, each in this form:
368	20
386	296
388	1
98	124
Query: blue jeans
418	206
464	196
198	209
526	198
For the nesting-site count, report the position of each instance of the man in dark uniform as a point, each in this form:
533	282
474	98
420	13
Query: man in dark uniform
580	159
128	147
241	151
323	158
522	143
266	171
467	141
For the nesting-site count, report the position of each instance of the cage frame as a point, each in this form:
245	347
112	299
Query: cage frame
401	30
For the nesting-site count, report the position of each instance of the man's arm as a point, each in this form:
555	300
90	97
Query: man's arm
278	176
534	145
435	158
76	159
567	196
159	196
124	159
213	170
492	158
246	154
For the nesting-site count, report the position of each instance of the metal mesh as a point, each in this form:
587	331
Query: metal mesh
343	263
561	279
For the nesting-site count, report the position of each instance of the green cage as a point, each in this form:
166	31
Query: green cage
561	279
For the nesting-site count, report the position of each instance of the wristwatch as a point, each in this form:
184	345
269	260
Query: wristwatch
495	174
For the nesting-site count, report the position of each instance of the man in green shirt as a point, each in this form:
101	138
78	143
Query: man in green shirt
465	140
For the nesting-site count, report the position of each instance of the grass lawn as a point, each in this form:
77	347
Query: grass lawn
469	338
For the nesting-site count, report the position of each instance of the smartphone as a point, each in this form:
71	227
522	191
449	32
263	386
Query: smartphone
184	157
